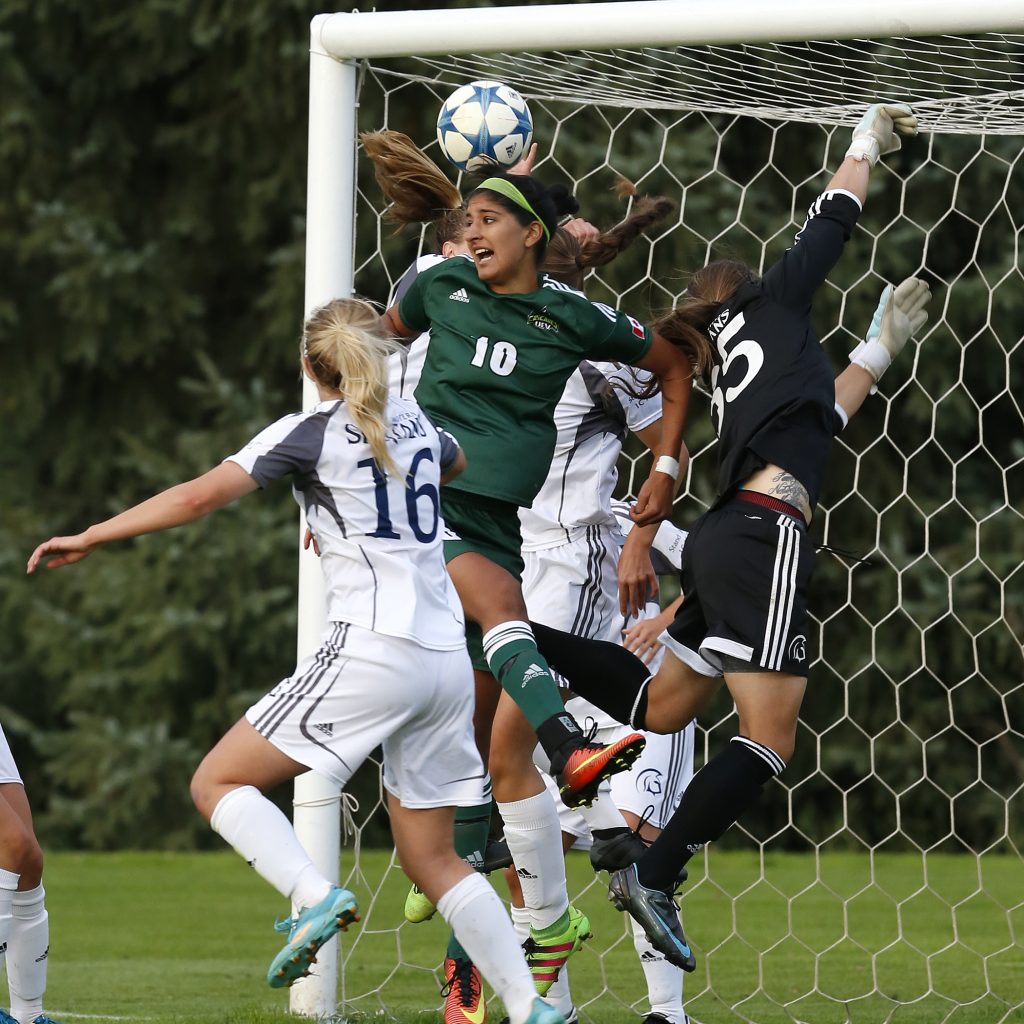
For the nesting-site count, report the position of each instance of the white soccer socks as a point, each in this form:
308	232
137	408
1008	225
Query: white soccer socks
474	912
664	980
534	839
27	954
258	830
8	885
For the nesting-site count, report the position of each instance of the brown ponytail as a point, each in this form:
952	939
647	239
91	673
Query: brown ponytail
567	259
417	189
686	326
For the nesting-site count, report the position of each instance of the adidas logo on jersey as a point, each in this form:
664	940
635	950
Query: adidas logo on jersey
459	295
327	728
532	672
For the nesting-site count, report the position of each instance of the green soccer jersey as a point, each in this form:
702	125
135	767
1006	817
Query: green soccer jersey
496	366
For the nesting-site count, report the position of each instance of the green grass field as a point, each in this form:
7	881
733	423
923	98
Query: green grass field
187	937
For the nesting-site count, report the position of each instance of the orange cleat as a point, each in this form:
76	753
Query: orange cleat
590	764
463	992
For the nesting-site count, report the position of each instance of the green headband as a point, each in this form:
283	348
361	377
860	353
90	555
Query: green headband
505	188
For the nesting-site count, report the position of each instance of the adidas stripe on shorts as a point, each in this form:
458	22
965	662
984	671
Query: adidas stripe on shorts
745	575
360	690
8	769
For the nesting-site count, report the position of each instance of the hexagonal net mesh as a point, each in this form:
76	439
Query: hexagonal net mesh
880	878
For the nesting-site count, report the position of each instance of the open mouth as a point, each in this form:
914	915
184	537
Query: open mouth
483	256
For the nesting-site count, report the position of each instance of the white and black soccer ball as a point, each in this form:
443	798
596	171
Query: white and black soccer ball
483	124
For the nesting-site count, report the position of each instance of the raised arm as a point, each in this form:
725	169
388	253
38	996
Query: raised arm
879	132
393	324
177	505
638	581
900	314
675	375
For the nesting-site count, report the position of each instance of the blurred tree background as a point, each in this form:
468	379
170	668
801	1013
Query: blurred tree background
152	169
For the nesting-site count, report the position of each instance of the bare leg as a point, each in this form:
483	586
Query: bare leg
19	849
242	757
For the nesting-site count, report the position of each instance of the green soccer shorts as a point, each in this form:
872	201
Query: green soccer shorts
473	522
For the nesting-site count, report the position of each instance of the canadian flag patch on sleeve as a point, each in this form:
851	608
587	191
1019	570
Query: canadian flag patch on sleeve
638	328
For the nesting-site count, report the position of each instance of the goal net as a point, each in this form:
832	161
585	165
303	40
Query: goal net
880	879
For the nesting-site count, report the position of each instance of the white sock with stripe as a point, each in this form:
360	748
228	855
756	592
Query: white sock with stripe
664	980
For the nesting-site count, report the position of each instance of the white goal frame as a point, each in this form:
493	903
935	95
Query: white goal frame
339	41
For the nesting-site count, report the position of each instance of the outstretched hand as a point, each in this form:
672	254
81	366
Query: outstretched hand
881	130
60	551
900	314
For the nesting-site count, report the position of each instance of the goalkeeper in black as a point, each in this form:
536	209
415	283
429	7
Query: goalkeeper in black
776	406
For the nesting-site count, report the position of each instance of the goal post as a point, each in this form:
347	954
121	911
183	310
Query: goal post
735	79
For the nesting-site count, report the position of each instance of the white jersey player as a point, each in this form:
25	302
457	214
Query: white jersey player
24	923
392	668
573	537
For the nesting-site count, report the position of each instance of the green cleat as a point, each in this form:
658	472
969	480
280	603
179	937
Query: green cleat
546	957
307	932
417	907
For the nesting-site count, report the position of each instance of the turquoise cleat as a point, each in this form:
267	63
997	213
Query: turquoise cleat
308	932
544	1013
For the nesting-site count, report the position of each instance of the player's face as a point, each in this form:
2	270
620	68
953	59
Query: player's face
500	245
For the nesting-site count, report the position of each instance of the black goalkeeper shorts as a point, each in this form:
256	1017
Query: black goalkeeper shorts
746	569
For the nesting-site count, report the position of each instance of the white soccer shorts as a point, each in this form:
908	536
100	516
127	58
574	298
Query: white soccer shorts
361	690
8	769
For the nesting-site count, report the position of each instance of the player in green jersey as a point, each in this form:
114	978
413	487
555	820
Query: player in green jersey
503	343
489	393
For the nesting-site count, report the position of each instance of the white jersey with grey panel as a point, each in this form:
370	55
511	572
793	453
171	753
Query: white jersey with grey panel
593	417
379	536
406	366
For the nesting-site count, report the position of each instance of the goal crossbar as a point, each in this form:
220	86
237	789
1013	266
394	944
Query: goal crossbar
437	32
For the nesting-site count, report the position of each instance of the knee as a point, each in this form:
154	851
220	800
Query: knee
201	789
31	864
25	856
666	711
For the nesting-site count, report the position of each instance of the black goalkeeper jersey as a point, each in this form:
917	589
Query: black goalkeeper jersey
773	389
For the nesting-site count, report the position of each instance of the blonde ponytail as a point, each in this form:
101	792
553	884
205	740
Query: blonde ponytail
347	350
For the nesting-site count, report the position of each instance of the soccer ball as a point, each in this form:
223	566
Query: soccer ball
483	124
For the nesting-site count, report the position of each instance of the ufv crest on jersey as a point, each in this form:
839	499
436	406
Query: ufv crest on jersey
542	321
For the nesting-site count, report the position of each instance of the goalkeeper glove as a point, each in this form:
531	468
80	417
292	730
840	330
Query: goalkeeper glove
879	131
899	314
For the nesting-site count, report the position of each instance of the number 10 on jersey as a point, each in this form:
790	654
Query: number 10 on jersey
499	356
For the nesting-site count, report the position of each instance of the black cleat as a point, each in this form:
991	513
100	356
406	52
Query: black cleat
657	914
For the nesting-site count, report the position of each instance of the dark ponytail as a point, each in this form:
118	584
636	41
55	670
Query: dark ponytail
687	325
567	259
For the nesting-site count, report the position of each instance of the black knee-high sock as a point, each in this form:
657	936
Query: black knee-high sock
605	673
715	798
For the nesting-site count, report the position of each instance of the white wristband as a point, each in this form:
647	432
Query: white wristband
667	465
